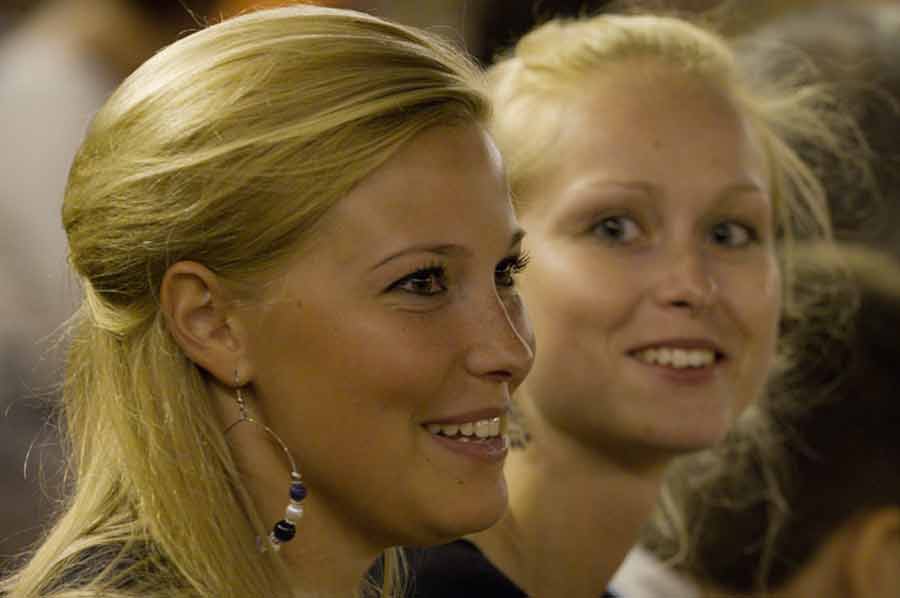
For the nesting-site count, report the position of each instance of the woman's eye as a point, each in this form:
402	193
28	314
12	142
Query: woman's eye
506	270
733	234
426	282
620	229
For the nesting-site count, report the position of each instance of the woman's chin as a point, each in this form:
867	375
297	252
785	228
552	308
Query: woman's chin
462	518
685	441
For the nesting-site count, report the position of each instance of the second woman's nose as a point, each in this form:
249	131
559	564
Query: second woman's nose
684	280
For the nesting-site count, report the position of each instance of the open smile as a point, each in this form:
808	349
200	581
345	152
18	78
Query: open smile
682	361
678	358
484	439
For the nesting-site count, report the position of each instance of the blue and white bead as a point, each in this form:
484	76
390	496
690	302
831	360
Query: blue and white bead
285	529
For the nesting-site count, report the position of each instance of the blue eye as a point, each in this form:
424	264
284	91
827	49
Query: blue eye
504	274
619	229
733	234
425	282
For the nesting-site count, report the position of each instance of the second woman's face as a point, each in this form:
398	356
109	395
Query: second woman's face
387	353
653	286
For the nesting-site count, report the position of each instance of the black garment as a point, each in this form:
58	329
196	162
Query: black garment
459	570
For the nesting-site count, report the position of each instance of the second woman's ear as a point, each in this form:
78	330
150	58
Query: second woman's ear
199	313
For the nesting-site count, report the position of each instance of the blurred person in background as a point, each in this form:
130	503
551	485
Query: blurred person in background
662	204
802	500
854	51
57	66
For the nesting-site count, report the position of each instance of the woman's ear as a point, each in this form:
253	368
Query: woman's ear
199	314
873	560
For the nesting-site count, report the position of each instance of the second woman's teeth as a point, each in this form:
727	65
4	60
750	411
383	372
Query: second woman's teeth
678	358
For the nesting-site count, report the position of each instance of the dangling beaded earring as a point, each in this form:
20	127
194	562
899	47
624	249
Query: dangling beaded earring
285	529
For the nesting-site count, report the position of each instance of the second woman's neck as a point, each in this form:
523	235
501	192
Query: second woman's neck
572	518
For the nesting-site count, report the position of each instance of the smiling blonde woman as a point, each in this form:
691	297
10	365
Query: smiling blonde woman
298	255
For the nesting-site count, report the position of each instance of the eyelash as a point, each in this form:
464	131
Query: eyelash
436	277
510	267
599	228
600	231
751	232
433	273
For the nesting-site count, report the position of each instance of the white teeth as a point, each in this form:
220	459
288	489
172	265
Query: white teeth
678	358
664	356
484	428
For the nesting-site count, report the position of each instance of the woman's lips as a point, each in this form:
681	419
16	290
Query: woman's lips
490	450
484	439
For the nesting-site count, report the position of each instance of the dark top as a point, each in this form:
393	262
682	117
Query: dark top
460	570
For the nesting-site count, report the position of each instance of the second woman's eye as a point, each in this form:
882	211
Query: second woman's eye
425	282
617	229
504	273
733	234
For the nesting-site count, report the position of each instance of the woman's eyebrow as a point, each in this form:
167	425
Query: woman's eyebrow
744	192
435	248
442	249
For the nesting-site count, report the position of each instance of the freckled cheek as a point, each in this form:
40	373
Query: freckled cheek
403	365
321	367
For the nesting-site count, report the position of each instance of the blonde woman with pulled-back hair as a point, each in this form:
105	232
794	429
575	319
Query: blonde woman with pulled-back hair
662	202
299	263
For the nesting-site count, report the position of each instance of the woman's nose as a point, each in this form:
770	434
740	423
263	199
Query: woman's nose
504	343
686	282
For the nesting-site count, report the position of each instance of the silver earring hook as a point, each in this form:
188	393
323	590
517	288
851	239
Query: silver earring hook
246	417
284	530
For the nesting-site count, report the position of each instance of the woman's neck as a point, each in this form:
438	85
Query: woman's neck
328	557
324	560
573	516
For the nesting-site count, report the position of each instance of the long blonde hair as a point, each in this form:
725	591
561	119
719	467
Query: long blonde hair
532	84
225	148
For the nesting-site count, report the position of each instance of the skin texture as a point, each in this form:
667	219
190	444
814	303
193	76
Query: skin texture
402	310
654	224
